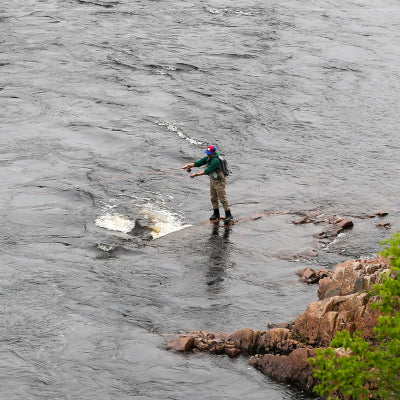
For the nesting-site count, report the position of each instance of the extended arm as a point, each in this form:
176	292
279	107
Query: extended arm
198	174
187	166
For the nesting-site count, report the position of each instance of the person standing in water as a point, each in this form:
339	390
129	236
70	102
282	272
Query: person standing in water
217	182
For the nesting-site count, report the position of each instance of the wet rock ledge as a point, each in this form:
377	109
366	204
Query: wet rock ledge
282	351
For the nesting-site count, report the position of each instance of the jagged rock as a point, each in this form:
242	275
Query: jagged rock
245	339
324	318
352	276
293	368
277	340
210	342
310	276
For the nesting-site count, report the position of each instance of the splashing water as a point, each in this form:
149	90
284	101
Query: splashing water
115	222
163	222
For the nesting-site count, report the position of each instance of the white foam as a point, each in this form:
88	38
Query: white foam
173	128
115	222
163	222
228	11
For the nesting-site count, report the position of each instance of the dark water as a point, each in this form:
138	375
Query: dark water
96	97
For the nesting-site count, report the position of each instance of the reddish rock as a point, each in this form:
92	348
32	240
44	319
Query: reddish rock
343	224
352	276
276	340
324	318
303	220
293	369
338	226
232	351
385	225
307	274
382	214
310	276
182	343
245	339
210	342
366	216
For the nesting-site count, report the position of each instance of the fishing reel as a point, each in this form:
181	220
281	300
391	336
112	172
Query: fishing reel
189	170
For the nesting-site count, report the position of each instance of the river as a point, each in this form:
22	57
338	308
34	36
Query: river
101	104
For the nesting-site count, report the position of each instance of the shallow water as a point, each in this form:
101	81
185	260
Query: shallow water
98	97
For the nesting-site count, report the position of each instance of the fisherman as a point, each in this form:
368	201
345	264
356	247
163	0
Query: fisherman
217	182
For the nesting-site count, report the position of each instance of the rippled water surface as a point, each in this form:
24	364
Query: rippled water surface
102	103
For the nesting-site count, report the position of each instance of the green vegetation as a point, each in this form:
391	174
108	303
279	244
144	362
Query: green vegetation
367	371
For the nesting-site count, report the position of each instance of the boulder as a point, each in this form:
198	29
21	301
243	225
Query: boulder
324	318
183	343
245	339
342	224
293	368
352	276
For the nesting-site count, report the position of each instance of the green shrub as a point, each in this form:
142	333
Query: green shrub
368	371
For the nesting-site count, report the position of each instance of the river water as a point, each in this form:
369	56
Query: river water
97	97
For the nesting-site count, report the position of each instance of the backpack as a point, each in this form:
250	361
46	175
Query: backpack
224	166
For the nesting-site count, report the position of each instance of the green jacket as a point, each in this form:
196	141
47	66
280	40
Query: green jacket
213	163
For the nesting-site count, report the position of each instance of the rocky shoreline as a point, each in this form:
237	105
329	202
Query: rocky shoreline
282	351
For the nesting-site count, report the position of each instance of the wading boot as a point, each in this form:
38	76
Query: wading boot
228	217
215	216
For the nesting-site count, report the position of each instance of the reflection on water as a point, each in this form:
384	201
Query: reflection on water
218	248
